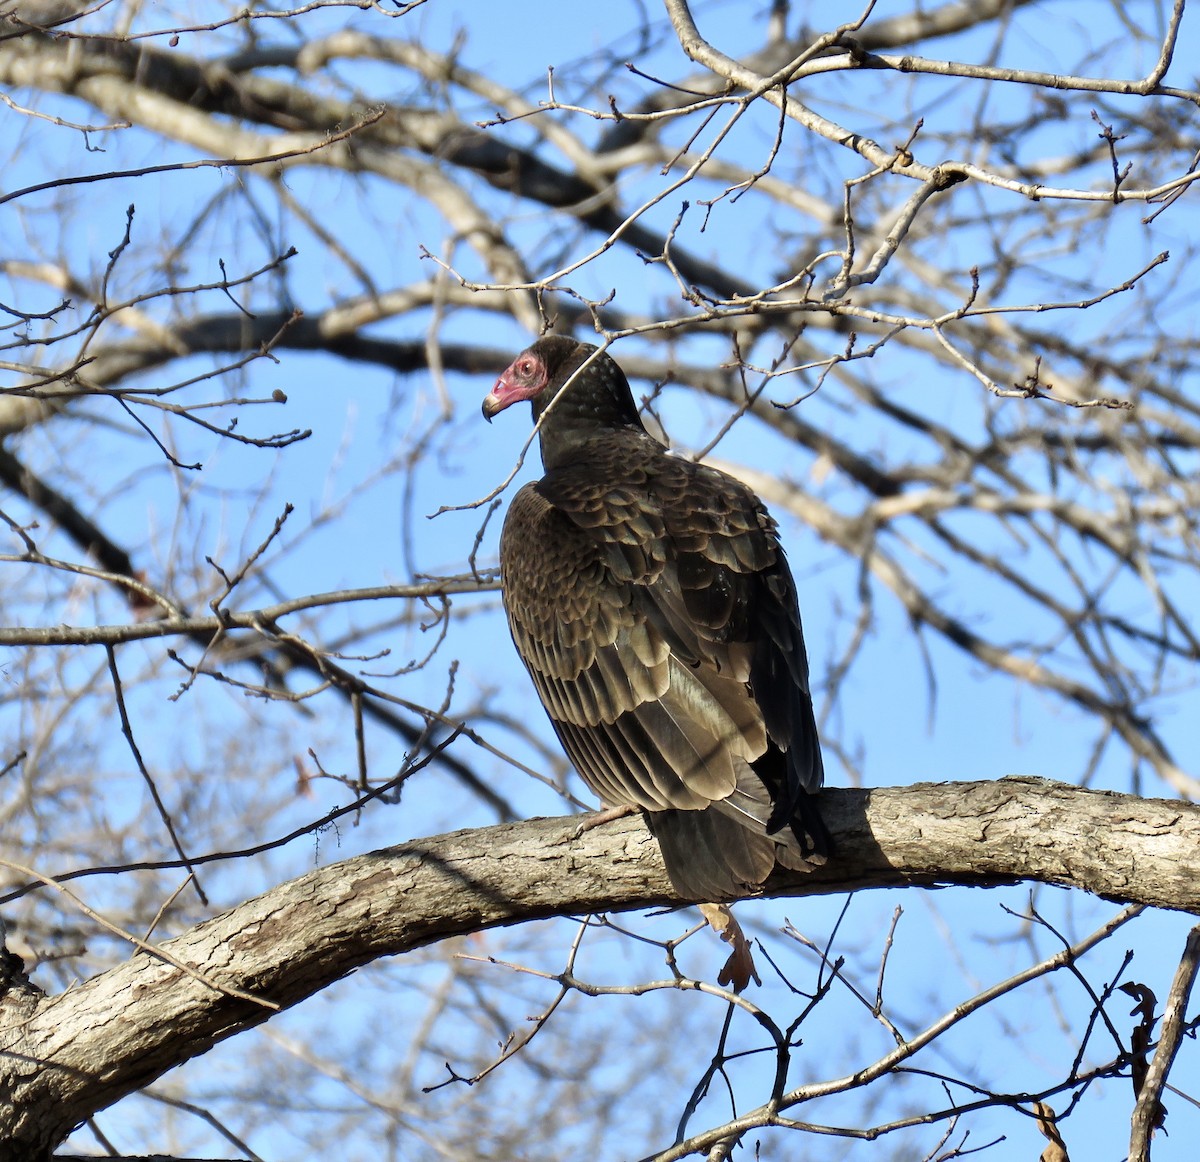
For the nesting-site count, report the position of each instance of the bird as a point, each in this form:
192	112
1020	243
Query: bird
651	602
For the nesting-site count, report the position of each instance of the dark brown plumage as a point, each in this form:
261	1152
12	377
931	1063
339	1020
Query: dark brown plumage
653	607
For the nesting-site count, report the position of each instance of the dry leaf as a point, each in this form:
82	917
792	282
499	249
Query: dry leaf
1139	1042
739	969
1057	1150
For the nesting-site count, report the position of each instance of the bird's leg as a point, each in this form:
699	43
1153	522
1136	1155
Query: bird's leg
599	818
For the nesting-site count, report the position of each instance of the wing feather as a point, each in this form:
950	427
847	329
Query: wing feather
651	602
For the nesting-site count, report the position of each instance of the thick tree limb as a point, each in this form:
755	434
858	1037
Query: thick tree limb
62	1058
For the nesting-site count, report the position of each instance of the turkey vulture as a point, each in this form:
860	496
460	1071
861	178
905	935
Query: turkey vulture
651	602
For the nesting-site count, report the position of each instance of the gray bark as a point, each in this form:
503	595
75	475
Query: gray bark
64	1057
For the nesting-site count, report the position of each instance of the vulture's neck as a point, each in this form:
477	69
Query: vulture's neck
594	406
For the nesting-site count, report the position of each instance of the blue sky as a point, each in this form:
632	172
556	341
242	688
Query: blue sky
972	725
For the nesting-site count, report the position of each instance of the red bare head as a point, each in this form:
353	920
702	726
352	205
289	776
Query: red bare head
524	378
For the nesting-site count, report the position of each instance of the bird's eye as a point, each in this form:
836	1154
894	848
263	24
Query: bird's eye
526	367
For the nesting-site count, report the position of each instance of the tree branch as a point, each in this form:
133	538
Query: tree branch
64	1057
1148	1113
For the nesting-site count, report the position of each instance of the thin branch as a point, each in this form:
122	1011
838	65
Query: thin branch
1147	1112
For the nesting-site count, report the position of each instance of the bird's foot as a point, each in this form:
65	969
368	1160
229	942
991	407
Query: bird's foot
599	818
